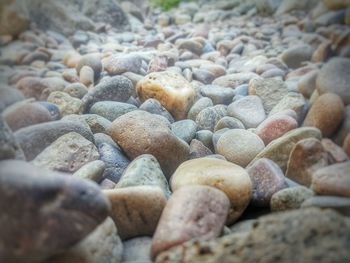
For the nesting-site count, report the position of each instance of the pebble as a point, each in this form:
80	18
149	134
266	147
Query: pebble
66	104
267	178
205	137
234	80
76	90
239	146
111	110
340	204
344	128
209	117
137	250
249	110
198	106
335	153
198	150
346	145
67	208
136	210
92	170
228	122
86	76
9	96
290	198
118	64
332	180
172	90
9	147
193	211
295	56
153	106
92	61
232	179
184	129
217	94
326	114
154	137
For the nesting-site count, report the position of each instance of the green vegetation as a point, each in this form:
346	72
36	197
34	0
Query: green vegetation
165	4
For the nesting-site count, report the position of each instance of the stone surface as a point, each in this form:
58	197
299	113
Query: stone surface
137	250
279	150
35	138
217	94
319	234
267	178
9	96
184	129
228	122
198	149
194	211
92	171
340	204
111	109
197	107
93	61
290	198
9	147
295	56
118	64
66	104
154	137
136	210
249	110
326	114
335	153
332	180
67	154
239	146
60	211
306	157
173	91
208	118
235	80
233	180
153	106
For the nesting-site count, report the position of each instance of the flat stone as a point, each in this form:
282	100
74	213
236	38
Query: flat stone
218	95
280	149
307	83
267	178
306	157
326	114
153	136
172	90
118	64
232	179
60	211
136	210
9	96
194	211
332	180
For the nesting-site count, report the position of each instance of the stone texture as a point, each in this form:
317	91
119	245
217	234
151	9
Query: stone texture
153	136
119	64
295	56
137	250
218	95
233	180
335	153
279	149
111	109
290	198
93	61
9	147
326	114
267	178
194	211
153	106
92	171
184	129
340	204
239	146
172	90
332	180
208	118
136	210
306	157
66	104
8	96
235	80
198	149
197	107
320	235
59	211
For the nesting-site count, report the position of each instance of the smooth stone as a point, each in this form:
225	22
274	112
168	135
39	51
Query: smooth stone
117	88
9	147
274	127
280	149
295	56
209	117
184	129
107	184
94	62
307	83
290	198
144	170
306	157
114	159
25	115
234	80
249	110
232	179
9	96
76	90
333	77
158	63
92	171
66	104
198	150
340	204
267	178
239	146
154	136
193	211
325	231
86	76
104	138
344	128
153	106
216	136
52	108
136	210
190	45
60	211
205	137
326	114
228	122
111	110
119	64
217	94
198	106
270	91
332	180
103	245
35	138
203	76
335	153
346	145
172	90
94	122
137	250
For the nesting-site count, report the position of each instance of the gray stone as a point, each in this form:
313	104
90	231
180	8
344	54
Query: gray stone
200	105
111	109
137	250
208	117
184	129
9	148
290	198
92	171
153	106
217	94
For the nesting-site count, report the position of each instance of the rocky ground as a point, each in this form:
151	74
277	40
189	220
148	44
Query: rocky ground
218	131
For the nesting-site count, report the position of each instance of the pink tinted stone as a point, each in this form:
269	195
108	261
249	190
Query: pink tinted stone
267	178
275	126
191	212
